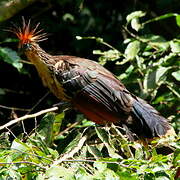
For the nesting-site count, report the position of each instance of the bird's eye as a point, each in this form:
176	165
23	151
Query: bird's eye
27	46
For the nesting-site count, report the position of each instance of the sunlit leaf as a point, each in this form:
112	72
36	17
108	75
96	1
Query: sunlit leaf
67	17
155	41
160	73
136	14
176	75
59	173
132	50
102	134
127	175
81	173
175	46
162	178
178	20
136	24
100	166
127	73
107	55
73	143
18	145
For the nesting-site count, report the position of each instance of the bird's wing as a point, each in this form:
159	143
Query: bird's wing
89	77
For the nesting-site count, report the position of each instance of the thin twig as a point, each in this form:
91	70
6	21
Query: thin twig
92	161
14	91
13	108
30	154
68	128
38	102
22	162
140	39
11	132
28	116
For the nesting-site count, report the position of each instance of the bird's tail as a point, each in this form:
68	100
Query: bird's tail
149	122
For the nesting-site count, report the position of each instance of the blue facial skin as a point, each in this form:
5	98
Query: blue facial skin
26	46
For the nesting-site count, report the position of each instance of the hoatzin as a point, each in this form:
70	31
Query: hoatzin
90	88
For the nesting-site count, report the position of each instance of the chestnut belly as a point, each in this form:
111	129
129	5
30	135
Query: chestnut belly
97	111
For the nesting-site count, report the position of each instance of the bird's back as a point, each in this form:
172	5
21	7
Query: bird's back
98	94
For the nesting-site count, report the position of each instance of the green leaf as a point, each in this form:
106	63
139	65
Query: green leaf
176	75
59	173
107	55
127	175
73	144
127	73
154	78
67	17
57	123
102	134
178	20
95	151
81	174
136	14
155	41
100	166
46	128
168	15
11	57
175	46
162	178
132	50
2	91
86	123
136	24
176	159
160	73
18	145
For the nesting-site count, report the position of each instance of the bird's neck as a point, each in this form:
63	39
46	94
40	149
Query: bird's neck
42	61
37	55
45	64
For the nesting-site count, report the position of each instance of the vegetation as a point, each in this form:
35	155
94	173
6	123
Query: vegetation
142	47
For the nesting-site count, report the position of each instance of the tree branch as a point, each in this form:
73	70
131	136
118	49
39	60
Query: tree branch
14	108
28	116
8	8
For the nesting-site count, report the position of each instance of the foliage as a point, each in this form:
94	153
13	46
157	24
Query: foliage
59	148
92	153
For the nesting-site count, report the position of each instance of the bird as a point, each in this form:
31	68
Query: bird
89	87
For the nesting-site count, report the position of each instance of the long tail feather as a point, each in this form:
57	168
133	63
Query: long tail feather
152	123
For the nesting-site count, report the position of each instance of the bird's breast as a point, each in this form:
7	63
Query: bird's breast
48	78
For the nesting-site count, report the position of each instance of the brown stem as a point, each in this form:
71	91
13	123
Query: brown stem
8	8
28	116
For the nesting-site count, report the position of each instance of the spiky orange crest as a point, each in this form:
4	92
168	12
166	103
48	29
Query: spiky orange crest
28	34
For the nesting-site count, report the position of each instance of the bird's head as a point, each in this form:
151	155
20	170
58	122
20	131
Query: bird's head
27	35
